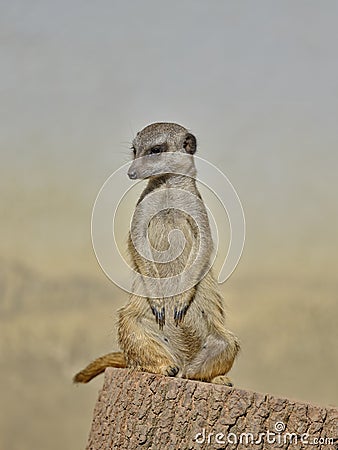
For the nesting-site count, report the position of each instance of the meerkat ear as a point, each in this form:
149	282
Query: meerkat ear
190	144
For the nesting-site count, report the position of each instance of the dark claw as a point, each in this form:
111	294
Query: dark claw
172	371
159	316
161	321
179	315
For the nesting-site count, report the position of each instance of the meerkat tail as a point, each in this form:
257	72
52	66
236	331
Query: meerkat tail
115	359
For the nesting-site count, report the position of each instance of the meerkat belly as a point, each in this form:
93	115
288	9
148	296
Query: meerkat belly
187	339
174	240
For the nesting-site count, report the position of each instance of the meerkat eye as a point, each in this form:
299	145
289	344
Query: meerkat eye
133	150
156	149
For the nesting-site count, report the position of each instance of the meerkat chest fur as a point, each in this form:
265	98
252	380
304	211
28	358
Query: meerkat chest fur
171	228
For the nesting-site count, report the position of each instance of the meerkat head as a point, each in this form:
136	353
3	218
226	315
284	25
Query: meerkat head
163	148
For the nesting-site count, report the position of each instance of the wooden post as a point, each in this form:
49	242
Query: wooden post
144	411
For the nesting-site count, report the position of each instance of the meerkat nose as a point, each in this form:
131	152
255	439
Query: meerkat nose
132	174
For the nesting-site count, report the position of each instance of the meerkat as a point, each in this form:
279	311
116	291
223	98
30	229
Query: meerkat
166	331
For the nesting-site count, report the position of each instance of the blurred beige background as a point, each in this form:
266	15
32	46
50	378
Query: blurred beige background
257	82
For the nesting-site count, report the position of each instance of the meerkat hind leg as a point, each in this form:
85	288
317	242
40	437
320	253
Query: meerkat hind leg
158	363
214	360
151	357
143	346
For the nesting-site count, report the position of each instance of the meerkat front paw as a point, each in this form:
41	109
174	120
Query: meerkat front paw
179	314
222	379
159	312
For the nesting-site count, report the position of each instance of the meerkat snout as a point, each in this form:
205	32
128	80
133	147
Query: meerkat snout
132	174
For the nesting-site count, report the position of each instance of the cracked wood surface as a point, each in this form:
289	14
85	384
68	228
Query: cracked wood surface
144	411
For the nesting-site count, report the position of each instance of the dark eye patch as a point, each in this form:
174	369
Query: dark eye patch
156	149
133	150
